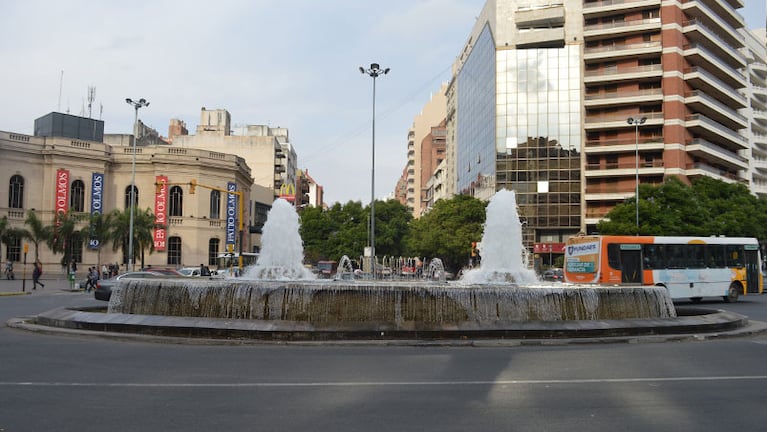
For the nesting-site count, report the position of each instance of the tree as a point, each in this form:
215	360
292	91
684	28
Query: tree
101	229
143	224
3	228
392	228
37	232
448	230
64	235
706	207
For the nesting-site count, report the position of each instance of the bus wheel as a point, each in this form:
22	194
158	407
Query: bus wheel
732	293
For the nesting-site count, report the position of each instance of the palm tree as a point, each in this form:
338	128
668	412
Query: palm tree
143	238
64	235
37	232
3	228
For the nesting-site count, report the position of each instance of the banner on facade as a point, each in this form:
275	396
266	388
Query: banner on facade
97	200
160	212
231	215
62	194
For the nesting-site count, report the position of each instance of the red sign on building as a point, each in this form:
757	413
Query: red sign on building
62	193
557	248
160	212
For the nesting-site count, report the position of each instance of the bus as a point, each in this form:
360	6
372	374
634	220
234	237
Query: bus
688	267
229	262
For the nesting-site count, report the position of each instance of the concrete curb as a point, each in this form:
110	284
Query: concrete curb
186	330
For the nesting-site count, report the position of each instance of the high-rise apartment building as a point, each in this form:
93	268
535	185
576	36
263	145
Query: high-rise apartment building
756	57
574	103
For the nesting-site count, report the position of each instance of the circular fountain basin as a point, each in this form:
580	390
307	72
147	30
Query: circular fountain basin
394	304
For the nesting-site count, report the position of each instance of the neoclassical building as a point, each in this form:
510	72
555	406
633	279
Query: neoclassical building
64	172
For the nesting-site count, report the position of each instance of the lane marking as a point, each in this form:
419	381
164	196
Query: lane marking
389	384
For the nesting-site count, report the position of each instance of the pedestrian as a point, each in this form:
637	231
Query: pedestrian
9	270
104	271
36	273
93	276
204	270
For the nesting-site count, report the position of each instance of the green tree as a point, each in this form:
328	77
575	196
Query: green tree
3	228
64	235
448	230
143	224
37	232
392	228
706	207
100	229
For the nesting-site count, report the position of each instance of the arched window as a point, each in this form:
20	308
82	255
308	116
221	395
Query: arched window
77	196
16	192
213	245
176	205
127	197
215	204
174	250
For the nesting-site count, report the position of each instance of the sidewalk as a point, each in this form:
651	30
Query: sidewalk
53	283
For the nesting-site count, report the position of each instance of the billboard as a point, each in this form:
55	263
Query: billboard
160	212
97	202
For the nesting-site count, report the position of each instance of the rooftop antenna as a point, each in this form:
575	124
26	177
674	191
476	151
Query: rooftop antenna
101	110
91	98
61	84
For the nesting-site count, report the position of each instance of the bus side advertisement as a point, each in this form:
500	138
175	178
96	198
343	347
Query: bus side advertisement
582	260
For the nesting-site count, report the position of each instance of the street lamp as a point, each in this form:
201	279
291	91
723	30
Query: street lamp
136	105
636	122
374	71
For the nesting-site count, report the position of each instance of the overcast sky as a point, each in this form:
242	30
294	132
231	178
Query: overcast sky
286	63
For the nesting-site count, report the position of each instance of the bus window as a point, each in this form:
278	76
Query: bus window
696	256
614	256
734	255
715	256
653	256
676	256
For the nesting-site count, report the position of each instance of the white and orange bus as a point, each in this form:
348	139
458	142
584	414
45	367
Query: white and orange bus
689	267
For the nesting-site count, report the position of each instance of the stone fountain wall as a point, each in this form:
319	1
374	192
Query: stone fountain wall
400	304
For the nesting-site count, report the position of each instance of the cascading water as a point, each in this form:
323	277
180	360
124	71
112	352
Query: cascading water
282	250
502	251
279	288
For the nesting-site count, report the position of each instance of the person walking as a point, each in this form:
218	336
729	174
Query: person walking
36	273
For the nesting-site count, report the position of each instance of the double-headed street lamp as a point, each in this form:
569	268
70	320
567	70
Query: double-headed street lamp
374	71
136	105
636	122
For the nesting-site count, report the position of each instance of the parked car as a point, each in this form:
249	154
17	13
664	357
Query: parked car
104	287
189	271
554	275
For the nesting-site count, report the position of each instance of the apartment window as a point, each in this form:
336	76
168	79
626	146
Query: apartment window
174	250
175	207
16	192
215	204
13	249
77	196
213	245
128	196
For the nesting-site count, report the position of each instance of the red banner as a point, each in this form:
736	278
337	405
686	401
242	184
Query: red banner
62	193
557	248
160	211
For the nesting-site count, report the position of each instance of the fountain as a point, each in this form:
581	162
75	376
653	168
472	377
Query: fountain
278	293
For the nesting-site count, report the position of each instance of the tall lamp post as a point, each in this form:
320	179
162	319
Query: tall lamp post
636	122
136	105
374	71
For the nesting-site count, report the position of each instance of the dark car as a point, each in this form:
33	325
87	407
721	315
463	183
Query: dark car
104	287
554	275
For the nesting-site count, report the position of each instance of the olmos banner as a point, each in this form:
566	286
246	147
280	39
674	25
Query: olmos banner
160	212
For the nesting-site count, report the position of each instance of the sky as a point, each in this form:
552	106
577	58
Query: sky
283	63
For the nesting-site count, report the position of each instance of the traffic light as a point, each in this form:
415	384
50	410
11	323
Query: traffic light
192	186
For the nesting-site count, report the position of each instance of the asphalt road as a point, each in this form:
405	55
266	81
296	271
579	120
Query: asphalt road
77	383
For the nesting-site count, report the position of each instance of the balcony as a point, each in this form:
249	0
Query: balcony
624	169
623	98
610	7
714	11
712	131
701	79
728	50
703	103
540	16
623	28
624	145
708	151
704	170
698	55
616	75
611	122
622	51
540	38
